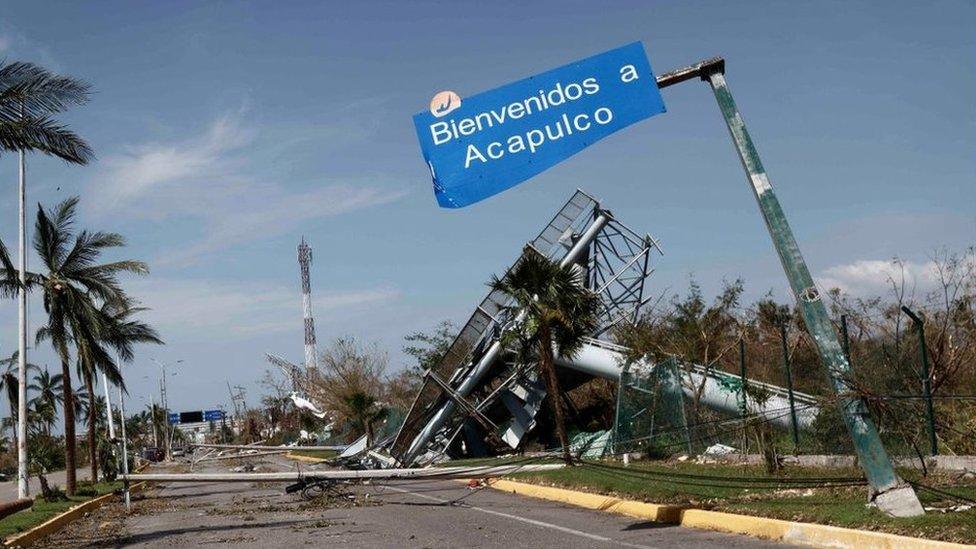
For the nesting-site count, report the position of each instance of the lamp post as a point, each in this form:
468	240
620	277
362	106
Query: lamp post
167	437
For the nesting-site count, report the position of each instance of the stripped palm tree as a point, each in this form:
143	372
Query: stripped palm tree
559	311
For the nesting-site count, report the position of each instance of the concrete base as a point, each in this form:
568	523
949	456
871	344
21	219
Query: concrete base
900	502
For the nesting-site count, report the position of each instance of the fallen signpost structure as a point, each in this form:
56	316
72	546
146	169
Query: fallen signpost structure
337	448
370	474
458	392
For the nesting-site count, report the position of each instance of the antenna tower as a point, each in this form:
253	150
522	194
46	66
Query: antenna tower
304	261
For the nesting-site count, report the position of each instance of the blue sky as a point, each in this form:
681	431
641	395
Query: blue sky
225	131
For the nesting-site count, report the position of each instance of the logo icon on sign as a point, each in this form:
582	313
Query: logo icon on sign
444	102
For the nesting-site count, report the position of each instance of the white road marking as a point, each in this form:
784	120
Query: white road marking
539	523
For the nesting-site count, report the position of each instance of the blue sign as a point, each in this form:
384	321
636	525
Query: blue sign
484	144
173	419
213	415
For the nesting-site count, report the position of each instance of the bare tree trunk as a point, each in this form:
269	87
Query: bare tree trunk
552	386
70	462
92	449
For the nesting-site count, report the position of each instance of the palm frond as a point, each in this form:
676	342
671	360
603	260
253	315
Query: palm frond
30	90
87	248
45	135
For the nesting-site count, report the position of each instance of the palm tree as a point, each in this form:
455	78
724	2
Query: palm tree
121	332
73	286
8	380
364	411
559	311
41	415
48	388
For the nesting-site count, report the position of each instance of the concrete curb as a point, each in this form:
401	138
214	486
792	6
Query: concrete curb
773	529
306	459
58	522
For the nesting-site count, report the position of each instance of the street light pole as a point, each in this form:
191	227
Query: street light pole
167	435
108	409
22	488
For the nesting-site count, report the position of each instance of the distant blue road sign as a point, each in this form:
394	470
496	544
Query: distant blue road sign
213	415
174	419
481	145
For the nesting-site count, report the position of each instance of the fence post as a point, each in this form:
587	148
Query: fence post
926	381
789	388
846	340
743	404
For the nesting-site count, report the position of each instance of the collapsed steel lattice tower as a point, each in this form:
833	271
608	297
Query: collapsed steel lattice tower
479	379
304	261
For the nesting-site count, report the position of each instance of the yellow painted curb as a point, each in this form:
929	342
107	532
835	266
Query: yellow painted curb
306	459
774	529
58	522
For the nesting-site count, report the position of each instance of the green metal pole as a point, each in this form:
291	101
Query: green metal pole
789	387
926	380
888	490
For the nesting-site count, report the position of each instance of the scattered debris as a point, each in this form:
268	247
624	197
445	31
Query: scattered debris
719	450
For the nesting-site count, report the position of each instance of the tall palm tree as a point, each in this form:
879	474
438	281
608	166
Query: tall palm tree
48	389
559	311
8	379
74	285
30	97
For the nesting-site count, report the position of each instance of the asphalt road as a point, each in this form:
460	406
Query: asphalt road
405	514
8	489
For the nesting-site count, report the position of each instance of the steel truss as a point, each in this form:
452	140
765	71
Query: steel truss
478	380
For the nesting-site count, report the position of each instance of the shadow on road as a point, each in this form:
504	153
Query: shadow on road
161	534
649	525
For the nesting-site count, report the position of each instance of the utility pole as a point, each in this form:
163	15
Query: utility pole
23	491
891	494
304	261
164	402
233	400
152	419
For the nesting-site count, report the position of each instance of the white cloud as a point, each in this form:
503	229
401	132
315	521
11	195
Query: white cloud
218	310
158	167
206	177
873	277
